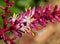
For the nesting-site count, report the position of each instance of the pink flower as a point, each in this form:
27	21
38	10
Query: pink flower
26	21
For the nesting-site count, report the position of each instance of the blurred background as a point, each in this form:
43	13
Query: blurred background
20	5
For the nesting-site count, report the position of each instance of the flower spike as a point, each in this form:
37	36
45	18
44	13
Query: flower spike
26	21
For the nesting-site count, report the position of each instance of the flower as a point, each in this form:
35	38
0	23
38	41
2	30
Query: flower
26	21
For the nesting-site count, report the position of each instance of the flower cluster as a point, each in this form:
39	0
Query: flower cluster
26	21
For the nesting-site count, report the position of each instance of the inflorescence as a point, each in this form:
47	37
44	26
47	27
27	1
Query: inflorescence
25	21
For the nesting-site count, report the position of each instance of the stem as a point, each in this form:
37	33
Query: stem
5	15
4	30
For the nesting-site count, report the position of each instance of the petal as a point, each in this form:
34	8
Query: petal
20	16
27	13
34	26
57	18
56	8
39	9
33	10
18	34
